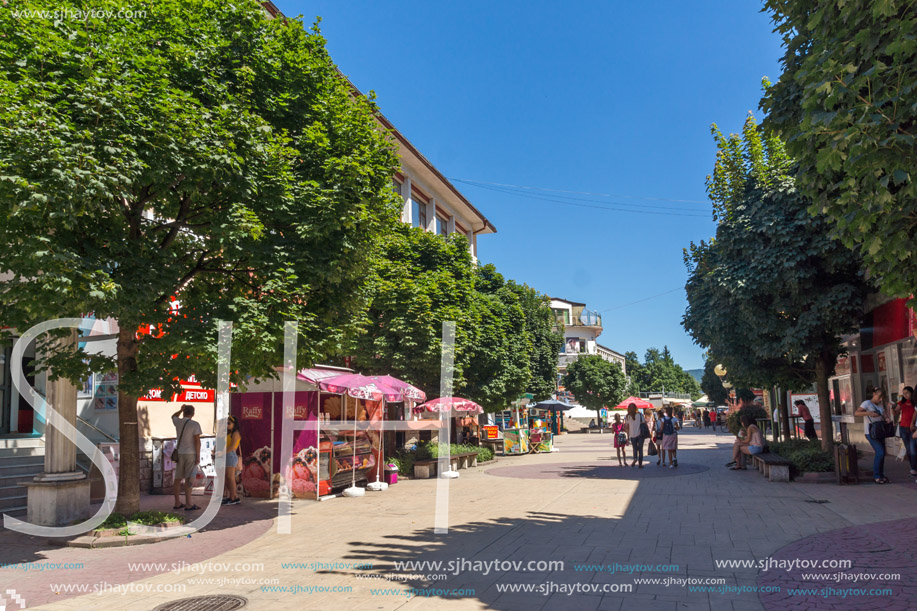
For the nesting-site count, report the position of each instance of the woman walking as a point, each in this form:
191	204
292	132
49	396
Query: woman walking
620	435
634	420
875	412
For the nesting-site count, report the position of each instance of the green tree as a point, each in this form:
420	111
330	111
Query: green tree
547	340
498	367
659	371
201	153
422	280
505	338
595	382
773	292
634	373
847	106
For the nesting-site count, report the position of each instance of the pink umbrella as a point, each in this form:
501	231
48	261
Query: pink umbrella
360	387
449	404
407	391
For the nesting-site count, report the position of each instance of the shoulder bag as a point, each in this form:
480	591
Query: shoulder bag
174	455
644	429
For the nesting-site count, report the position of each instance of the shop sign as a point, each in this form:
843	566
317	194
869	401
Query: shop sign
188	395
490	432
297	412
252	412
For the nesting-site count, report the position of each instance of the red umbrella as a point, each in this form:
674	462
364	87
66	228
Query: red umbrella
641	403
450	404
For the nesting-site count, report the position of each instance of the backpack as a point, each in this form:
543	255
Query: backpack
668	426
622	438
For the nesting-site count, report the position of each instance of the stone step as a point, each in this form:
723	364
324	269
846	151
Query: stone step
11	443
8	490
27	468
13	503
21	459
13	452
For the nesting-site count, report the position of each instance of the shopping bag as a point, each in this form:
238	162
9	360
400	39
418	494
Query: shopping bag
651	450
902	450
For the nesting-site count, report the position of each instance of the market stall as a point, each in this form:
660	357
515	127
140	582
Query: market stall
551	411
516	430
341	448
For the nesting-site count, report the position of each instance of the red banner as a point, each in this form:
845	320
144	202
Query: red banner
191	393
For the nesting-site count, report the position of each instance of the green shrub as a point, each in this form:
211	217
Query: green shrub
805	456
734	422
485	454
146	518
404	460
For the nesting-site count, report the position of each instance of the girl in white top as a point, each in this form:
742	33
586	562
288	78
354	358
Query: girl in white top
633	420
874	410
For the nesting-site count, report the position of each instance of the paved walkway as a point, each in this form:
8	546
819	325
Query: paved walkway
690	518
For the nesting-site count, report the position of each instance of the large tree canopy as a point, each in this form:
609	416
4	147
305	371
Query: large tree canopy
659	372
771	295
423	280
595	382
505	342
199	152
846	104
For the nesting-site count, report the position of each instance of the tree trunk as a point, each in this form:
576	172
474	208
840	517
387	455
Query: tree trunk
824	366
784	415
129	468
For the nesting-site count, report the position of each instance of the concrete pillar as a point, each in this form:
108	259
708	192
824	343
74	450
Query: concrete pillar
407	210
450	226
59	495
431	216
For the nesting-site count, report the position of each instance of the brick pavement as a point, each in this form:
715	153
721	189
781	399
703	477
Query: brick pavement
691	520
232	527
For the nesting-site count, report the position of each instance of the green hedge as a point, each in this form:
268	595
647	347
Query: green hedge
404	459
805	456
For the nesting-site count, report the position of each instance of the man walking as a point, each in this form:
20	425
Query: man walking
803	410
188	449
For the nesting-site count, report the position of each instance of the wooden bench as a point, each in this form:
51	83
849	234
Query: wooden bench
774	467
425	469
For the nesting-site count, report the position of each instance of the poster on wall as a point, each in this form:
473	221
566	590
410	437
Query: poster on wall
105	393
253	409
305	445
572	345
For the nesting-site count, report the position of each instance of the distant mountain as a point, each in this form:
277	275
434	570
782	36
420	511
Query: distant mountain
697	373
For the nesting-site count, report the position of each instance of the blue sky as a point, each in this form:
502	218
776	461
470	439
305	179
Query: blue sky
598	98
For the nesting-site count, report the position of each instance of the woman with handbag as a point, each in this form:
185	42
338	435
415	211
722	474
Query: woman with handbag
878	427
636	428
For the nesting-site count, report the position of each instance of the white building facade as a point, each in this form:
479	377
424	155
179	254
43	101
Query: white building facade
582	328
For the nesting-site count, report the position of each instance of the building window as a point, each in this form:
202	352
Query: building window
442	225
582	346
418	214
396	186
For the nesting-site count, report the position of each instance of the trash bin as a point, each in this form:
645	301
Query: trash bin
391	474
